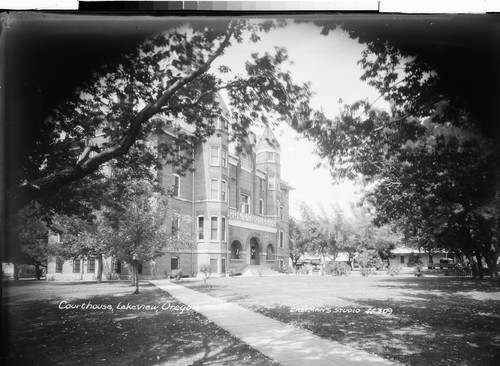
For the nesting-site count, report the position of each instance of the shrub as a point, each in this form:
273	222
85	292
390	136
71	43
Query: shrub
414	260
370	258
301	271
366	271
418	271
177	274
207	271
393	270
338	269
27	271
284	269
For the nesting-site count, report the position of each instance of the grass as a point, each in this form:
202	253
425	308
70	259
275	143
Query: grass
41	333
431	320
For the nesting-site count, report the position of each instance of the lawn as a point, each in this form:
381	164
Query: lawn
432	320
47	326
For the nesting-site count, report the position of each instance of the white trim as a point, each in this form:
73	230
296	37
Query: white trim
179	178
223	223
233	159
225	191
222	160
209	200
260	174
252	226
182	199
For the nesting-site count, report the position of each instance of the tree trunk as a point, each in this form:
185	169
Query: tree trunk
480	265
37	271
99	268
132	274
136	272
82	264
16	272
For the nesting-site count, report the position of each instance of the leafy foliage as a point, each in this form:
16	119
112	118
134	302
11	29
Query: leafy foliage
338	269
30	230
369	258
393	270
414	260
165	80
430	170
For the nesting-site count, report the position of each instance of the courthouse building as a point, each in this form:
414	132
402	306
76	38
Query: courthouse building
238	204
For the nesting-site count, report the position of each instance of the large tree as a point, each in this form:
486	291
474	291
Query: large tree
29	228
432	170
141	227
298	242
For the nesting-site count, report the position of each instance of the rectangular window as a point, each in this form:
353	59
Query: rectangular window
223	229
177	188
282	239
213	264
261	206
214	156
271	183
245	203
214	189
223	191
270	156
175	227
117	266
59	265
76	265
224	158
91	265
174	263
402	259
201	228
214	228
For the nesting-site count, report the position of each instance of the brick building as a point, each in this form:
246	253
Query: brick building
239	207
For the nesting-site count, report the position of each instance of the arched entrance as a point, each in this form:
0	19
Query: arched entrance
254	251
235	249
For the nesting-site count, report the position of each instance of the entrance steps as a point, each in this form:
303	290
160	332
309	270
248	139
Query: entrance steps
258	271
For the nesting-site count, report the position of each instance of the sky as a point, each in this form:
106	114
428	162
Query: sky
330	64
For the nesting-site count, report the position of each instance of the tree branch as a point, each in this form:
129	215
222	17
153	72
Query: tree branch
86	166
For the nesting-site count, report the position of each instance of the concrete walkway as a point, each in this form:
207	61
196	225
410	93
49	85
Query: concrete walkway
285	344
